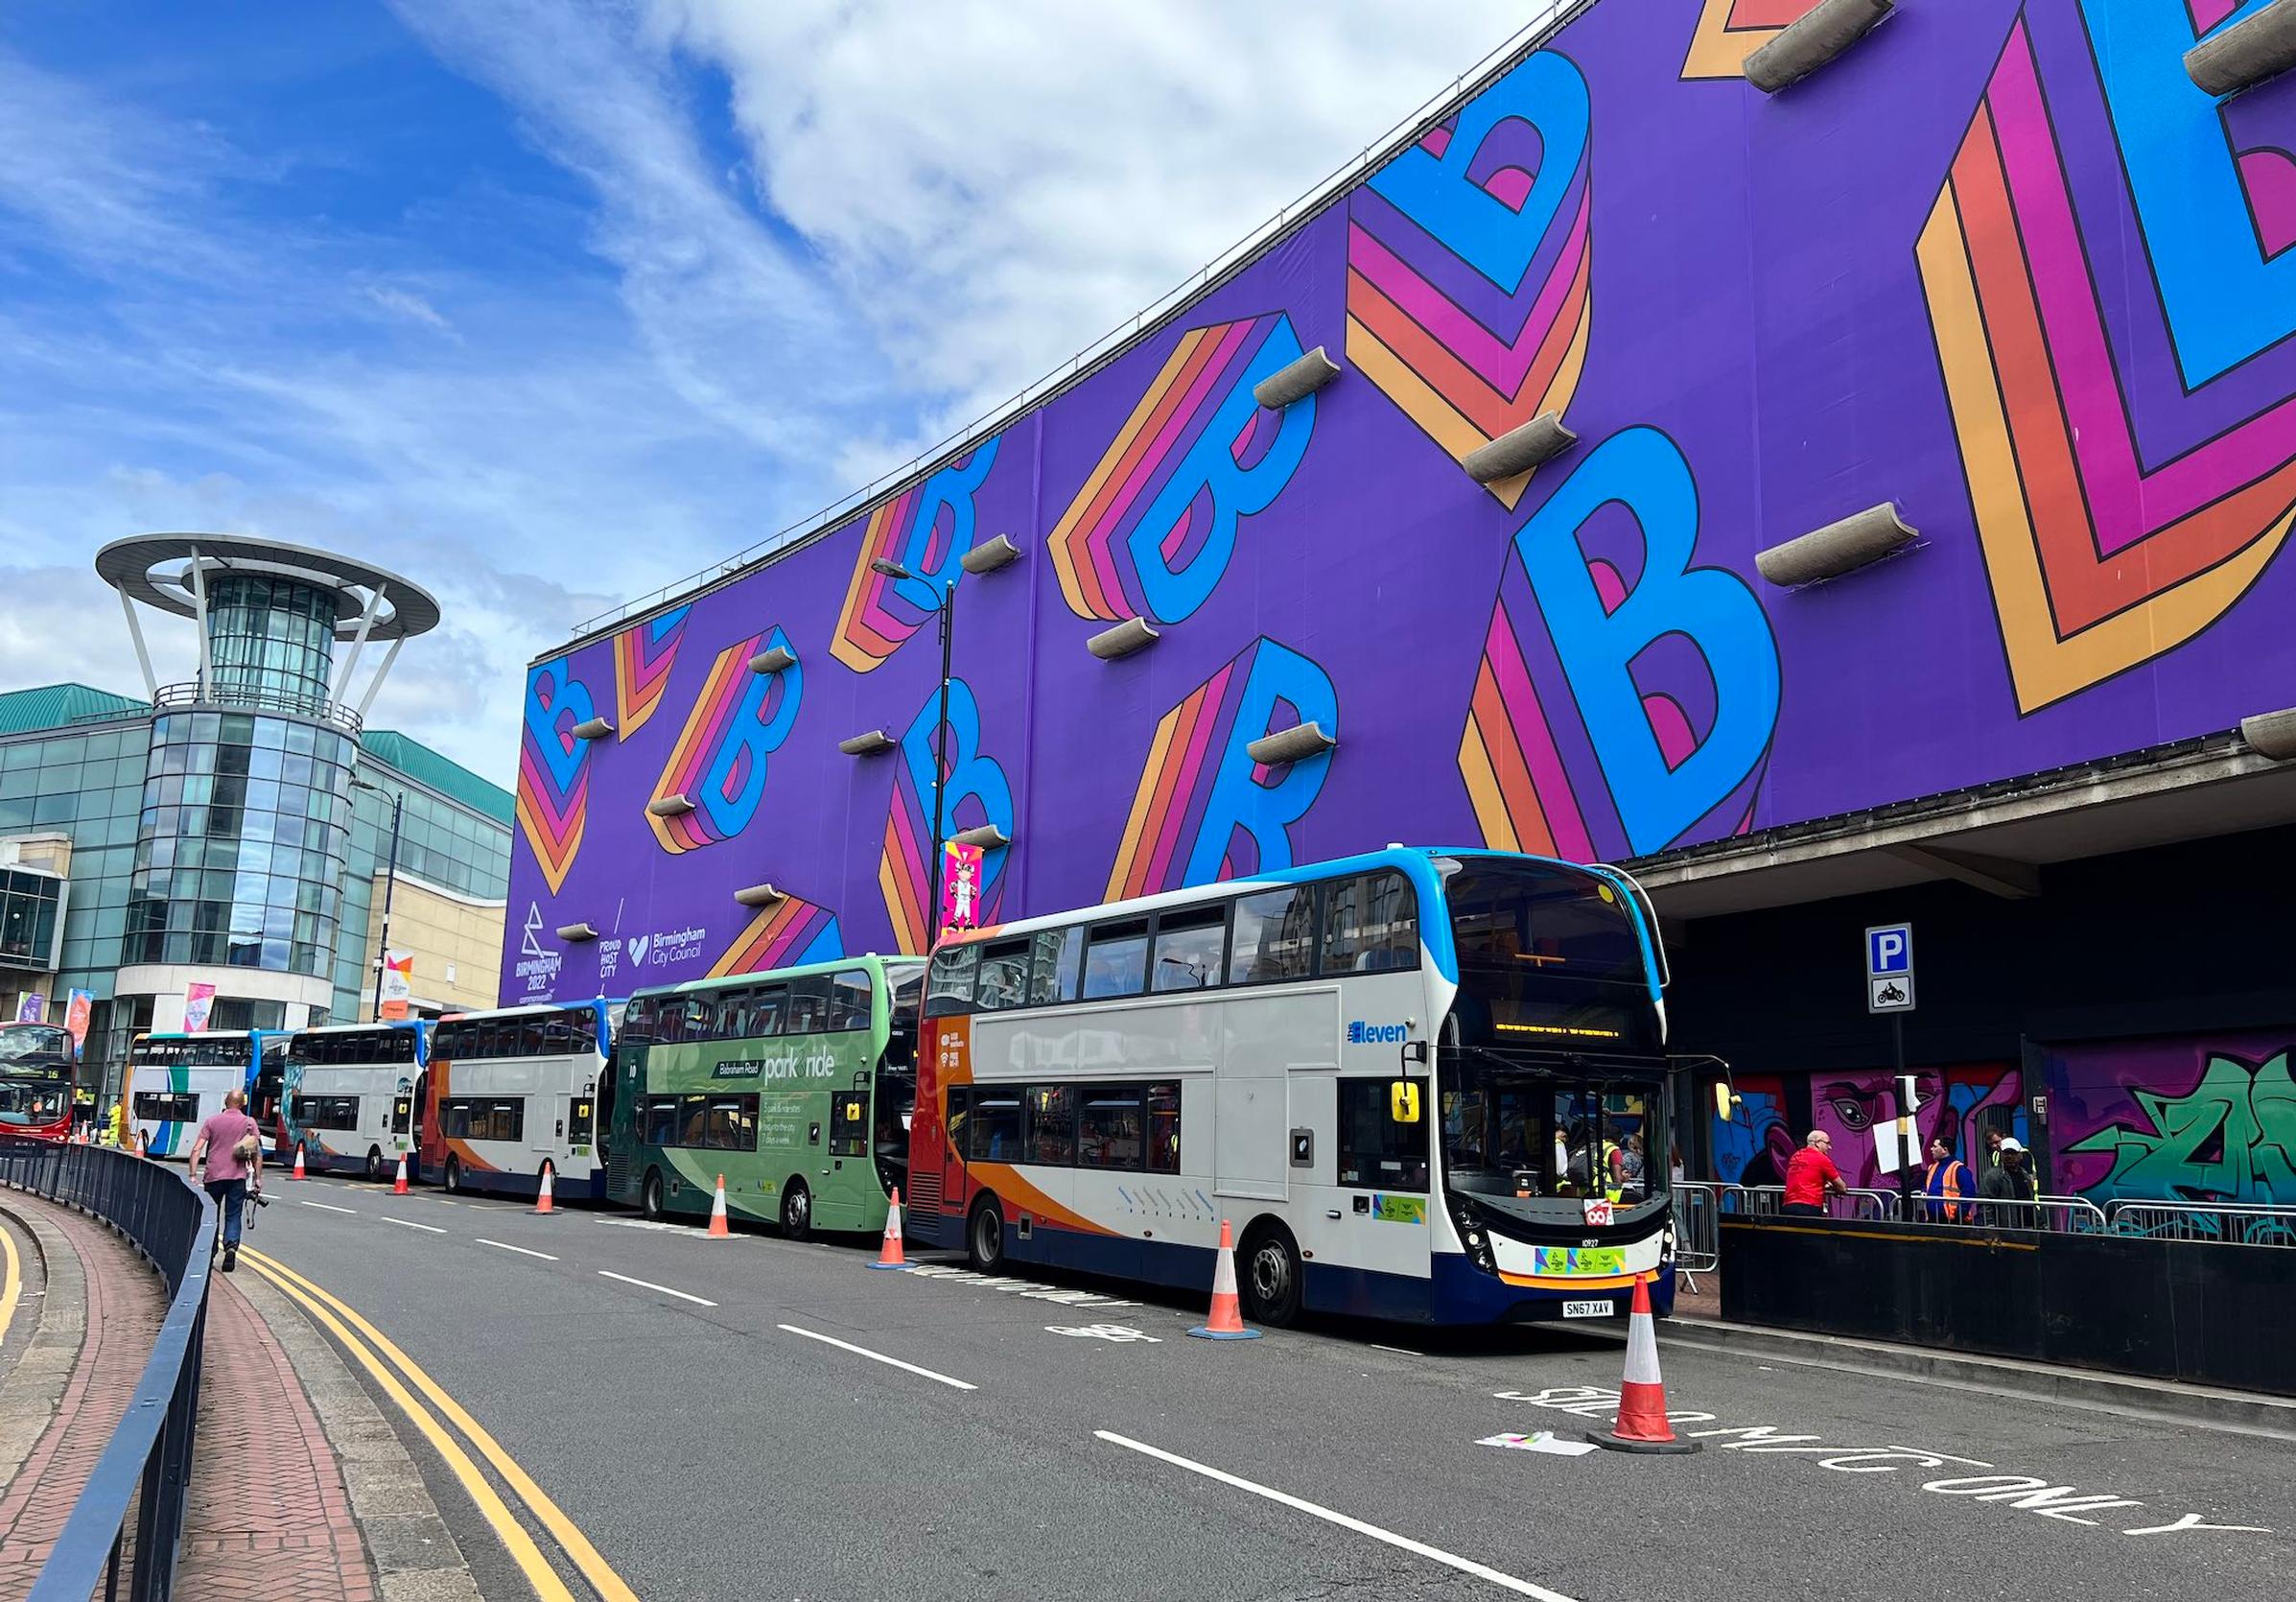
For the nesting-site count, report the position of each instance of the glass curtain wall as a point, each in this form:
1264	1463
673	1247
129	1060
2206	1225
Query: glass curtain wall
272	642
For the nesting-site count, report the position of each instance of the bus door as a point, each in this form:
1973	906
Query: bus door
402	1118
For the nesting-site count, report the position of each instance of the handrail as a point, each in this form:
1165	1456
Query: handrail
188	696
2258	1225
1550	18
173	1224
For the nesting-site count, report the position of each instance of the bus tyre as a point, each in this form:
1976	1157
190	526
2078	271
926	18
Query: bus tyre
650	1199
374	1165
453	1176
1268	1276
797	1210
984	1237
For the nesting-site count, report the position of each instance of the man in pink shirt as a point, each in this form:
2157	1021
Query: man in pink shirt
232	1149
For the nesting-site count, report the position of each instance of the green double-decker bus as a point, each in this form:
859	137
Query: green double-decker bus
796	1085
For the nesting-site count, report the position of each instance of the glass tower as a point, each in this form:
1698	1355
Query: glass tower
272	642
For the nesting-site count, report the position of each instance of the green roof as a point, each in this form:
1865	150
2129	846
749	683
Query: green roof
52	706
451	779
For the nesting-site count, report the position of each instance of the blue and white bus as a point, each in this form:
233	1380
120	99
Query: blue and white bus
509	1091
177	1082
349	1097
1424	1085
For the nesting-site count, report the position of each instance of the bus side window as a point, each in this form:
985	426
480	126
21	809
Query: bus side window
578	1126
1371	924
1375	1152
1056	965
1164	1129
960	1101
849	1124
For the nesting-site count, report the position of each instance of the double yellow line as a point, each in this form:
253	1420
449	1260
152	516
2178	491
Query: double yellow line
377	1355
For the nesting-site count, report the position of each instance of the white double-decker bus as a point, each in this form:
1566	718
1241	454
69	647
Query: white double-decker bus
175	1082
1424	1085
510	1091
350	1096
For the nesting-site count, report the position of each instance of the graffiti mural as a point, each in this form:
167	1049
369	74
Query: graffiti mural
1858	1107
2190	1121
2049	317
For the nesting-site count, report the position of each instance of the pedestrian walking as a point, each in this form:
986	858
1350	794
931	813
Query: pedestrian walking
1811	1179
230	1148
119	1122
2009	1187
1947	1184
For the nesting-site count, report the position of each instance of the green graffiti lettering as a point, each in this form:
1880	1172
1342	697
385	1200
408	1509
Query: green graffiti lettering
2232	1140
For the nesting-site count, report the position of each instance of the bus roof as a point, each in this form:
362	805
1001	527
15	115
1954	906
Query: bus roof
520	1012
346	1029
802	970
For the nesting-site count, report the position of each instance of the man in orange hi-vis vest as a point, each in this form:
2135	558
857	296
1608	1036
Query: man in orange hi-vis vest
1947	1184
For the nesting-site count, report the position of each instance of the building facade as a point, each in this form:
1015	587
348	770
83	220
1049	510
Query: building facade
236	831
1629	463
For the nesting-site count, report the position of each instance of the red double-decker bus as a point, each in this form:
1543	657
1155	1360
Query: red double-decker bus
37	1068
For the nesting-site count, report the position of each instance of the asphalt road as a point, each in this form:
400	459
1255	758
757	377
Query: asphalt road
718	1447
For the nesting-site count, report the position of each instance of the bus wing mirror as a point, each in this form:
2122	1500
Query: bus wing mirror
1722	1098
1403	1102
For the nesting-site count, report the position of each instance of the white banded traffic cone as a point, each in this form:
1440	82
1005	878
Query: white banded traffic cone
888	1253
1227	1320
1640	1424
542	1201
717	1224
398	1185
298	1173
142	1147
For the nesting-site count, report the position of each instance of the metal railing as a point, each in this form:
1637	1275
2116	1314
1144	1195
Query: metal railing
145	1469
1697	1226
2229	1226
1768	1201
186	697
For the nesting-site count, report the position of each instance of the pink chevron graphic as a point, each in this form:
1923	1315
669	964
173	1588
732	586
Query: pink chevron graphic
643	657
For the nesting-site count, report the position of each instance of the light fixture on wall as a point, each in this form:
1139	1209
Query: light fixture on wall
1296	380
1520	449
593	728
671	806
760	895
1822	33
1127	637
986	836
2271	734
2257	47
574	934
1296	744
772	660
1836	549
867	743
989	554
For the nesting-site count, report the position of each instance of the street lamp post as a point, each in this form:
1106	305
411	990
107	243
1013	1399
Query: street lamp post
945	610
390	885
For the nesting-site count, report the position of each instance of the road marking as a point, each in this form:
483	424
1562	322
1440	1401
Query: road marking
610	1586
681	1295
1466	1566
443	1202
522	1251
879	1356
1398	1351
523	1550
410	1223
328	1207
13	1290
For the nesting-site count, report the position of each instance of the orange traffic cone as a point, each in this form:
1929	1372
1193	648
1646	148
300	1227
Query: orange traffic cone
1641	1424
717	1225
542	1202
1227	1320
888	1255
142	1147
298	1173
398	1185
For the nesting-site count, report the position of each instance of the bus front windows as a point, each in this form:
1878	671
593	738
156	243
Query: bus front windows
1536	1144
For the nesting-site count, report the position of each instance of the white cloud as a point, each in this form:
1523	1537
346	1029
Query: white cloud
408	304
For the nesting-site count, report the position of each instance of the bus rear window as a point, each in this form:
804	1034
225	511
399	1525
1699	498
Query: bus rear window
1535	919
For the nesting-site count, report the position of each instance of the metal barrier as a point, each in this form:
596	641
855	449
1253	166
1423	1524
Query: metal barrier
2041	1214
1768	1201
143	1471
2228	1226
1698	1227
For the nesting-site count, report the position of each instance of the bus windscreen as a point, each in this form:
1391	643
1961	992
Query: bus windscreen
1548	960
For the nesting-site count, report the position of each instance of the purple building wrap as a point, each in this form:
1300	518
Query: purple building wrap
2001	265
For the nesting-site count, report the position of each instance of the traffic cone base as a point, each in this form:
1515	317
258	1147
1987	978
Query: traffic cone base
1641	1424
1227	1320
888	1253
717	1223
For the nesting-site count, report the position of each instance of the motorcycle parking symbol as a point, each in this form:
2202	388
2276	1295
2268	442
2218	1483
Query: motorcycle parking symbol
1119	1333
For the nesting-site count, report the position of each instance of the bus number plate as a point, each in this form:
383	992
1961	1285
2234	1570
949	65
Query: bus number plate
1586	1310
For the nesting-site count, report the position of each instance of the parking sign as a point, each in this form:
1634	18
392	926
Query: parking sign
1889	968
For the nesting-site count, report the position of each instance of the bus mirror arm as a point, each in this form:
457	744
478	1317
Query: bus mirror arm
1411	1052
1726	1090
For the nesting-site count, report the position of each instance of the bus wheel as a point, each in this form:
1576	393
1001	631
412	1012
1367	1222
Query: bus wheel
1269	1276
650	1199
797	1210
984	1237
453	1176
374	1165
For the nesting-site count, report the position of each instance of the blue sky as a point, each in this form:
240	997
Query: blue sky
546	303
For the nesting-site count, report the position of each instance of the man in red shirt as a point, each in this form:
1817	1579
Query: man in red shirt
1811	1177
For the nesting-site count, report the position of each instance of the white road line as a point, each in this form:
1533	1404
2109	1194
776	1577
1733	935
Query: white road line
443	1202
410	1223
522	1251
650	1285
879	1356
1466	1566
328	1207
1398	1351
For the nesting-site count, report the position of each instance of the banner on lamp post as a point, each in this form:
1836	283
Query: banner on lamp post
960	886
32	1007
398	984
198	1000
77	1006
